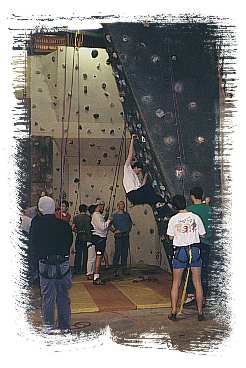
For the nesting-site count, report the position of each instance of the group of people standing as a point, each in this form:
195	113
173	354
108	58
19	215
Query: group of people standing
51	238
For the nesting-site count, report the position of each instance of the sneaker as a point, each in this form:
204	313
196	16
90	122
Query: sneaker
201	317
98	282
190	300
172	317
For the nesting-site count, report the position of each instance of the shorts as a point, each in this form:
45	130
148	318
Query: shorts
100	244
181	258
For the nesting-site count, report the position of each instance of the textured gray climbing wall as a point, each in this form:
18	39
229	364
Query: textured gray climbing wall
168	77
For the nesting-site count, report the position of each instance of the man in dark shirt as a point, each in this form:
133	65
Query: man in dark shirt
122	225
82	226
51	239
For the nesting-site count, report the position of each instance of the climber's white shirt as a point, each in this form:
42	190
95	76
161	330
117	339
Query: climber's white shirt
130	178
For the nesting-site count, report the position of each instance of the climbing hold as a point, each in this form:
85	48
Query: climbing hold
83	160
76	180
69	93
88	132
106	94
87	108
57	169
108	62
98	66
169	140
94	54
105	155
84	76
178	87
53	59
61	49
38	72
36	123
34	106
80	127
124	38
155	59
111	132
180	172
192	106
122	113
64	66
76	67
200	140
122	99
112	148
115	56
111	104
48	76
85	90
70	141
92	186
104	85
103	131
160	113
108	37
95	116
92	145
173	57
145	212
151	231
98	162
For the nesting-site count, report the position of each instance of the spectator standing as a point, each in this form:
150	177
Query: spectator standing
122	224
51	240
82	226
100	230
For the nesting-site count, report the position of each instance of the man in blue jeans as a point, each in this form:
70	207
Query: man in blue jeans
51	239
122	224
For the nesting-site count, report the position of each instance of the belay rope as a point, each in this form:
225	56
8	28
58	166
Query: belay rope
186	283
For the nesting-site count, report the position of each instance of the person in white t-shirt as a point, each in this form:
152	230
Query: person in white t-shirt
139	192
185	229
100	229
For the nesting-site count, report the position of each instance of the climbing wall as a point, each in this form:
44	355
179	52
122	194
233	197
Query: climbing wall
167	75
77	106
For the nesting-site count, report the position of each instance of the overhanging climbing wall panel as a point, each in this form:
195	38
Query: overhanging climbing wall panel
169	75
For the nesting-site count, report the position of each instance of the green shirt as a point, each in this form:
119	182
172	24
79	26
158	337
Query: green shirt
205	213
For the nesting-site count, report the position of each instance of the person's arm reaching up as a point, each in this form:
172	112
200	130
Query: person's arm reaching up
131	152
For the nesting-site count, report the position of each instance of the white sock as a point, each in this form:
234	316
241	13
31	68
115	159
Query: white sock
96	276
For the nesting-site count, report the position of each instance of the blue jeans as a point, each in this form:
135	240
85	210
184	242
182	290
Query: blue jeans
121	250
54	292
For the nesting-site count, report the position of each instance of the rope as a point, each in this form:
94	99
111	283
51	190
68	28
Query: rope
186	283
69	114
63	117
116	174
177	119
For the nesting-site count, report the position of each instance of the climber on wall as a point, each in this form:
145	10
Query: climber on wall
140	192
